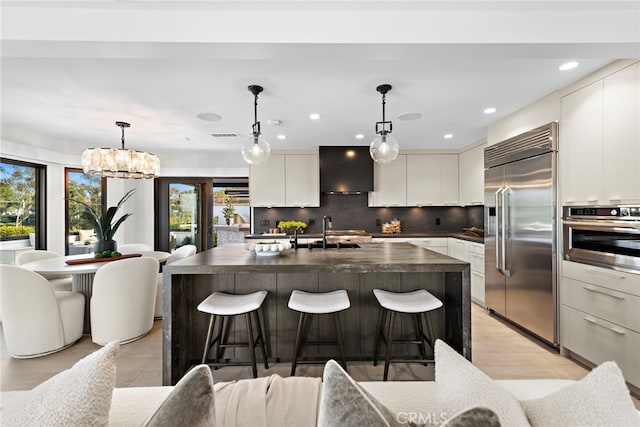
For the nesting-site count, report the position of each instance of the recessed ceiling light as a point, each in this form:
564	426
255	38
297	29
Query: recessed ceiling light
359	136
282	136
409	116
489	110
209	117
314	116
568	66
274	122
448	136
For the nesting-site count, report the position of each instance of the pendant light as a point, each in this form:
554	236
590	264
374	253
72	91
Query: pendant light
384	148
120	162
255	150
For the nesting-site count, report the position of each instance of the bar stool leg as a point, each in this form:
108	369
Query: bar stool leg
389	341
429	328
207	342
383	318
252	348
297	347
261	338
421	337
336	319
220	338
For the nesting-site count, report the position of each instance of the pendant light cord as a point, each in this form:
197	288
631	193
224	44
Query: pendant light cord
383	105
122	138
256	127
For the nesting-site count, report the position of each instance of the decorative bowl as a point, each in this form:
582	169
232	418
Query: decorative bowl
268	248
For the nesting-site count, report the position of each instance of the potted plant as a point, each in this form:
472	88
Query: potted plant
104	225
229	209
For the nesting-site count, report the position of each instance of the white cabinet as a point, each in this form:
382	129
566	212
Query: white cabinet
599	316
600	141
471	176
302	180
290	180
459	249
432	179
267	182
389	183
473	253
436	244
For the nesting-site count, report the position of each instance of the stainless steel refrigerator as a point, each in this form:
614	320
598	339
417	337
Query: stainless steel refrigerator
520	234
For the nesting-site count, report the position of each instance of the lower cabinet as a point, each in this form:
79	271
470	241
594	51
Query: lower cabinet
473	253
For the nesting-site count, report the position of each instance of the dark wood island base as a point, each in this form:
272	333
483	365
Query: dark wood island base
391	266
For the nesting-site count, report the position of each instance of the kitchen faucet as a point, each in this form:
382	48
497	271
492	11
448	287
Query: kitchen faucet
326	220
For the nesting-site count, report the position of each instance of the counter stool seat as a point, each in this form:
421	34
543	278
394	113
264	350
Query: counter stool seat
318	303
224	305
419	304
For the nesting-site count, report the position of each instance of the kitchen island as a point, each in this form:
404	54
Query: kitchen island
232	268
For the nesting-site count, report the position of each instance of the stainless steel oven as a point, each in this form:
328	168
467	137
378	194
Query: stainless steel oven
607	236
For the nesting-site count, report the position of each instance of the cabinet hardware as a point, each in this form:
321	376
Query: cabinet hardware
595	322
598	291
605	274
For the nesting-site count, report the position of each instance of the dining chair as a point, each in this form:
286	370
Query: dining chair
37	320
59	281
132	248
180	253
123	300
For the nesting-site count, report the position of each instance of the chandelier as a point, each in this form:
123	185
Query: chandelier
255	150
384	148
120	162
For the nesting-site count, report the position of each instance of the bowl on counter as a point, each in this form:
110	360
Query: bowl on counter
269	248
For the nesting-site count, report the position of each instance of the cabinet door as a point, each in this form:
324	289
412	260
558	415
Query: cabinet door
390	183
449	179
302	180
424	180
459	249
267	182
471	176
581	145
621	156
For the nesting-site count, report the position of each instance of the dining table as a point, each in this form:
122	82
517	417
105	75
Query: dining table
82	274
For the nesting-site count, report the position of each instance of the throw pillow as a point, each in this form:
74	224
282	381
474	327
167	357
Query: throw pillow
474	417
601	398
190	403
462	386
78	396
344	403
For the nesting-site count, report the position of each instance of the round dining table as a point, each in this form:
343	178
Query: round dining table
82	274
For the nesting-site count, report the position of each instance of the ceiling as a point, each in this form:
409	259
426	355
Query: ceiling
71	69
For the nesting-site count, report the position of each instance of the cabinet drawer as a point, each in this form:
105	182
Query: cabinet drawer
612	279
477	262
477	287
459	249
476	248
616	307
598	341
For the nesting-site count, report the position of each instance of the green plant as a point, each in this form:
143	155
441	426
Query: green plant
229	209
7	230
105	227
284	225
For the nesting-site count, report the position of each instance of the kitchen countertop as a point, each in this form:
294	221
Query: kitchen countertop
427	234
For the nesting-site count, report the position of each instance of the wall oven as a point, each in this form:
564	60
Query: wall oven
606	236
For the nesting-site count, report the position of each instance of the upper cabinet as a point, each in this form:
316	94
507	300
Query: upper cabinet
471	175
285	180
432	179
389	183
600	141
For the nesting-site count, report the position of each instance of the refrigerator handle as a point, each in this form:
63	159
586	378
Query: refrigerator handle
505	207
498	228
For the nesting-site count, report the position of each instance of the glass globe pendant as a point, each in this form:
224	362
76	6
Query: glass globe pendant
256	149
384	148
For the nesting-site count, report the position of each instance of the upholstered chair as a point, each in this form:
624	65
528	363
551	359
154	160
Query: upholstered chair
37	320
133	248
123	300
60	282
178	254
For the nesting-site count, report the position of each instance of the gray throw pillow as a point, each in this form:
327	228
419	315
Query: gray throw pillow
474	417
190	403
344	403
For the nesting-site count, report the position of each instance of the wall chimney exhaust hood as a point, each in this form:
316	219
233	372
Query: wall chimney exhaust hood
345	170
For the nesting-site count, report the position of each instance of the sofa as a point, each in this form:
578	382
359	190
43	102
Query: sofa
600	398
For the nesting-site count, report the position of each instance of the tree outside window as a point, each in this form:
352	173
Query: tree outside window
18	201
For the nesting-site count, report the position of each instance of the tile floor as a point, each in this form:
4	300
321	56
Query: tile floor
499	349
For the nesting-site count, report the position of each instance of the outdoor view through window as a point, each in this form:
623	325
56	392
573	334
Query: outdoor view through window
18	201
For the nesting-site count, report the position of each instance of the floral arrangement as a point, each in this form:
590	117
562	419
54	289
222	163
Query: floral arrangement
291	225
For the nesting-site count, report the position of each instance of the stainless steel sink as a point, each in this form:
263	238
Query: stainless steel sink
348	236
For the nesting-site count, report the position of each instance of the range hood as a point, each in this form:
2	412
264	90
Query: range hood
345	170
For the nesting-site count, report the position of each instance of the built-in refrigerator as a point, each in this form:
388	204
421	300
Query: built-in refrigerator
520	233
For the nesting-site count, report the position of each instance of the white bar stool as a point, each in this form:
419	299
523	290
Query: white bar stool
223	305
419	303
318	303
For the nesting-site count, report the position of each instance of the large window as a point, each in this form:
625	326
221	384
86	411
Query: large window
91	190
22	204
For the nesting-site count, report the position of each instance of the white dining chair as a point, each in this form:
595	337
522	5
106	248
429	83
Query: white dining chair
133	248
37	320
180	253
59	281
123	300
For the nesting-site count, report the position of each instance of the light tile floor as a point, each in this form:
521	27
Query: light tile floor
499	349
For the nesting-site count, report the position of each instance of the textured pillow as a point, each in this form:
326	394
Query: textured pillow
80	396
344	403
190	403
601	398
474	417
462	386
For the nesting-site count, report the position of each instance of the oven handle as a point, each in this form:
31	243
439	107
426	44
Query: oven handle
622	226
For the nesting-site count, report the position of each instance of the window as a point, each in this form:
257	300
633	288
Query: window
91	190
231	197
22	204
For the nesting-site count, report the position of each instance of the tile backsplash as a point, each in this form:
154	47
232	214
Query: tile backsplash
351	212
